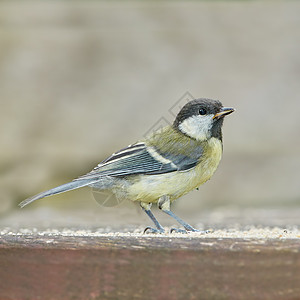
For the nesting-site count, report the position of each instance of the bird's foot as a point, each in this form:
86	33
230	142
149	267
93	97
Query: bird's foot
177	230
187	230
149	229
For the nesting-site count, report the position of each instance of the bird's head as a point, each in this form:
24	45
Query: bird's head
202	119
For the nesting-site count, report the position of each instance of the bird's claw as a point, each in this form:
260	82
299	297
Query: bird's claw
178	230
149	229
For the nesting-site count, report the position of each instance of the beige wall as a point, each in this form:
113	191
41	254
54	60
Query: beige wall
79	80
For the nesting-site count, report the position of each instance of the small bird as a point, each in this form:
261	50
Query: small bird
162	167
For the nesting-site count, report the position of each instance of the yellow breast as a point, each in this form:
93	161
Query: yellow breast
149	188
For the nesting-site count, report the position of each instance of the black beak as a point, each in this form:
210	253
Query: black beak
224	111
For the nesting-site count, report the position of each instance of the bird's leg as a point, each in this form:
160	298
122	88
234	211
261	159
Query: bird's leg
147	209
164	204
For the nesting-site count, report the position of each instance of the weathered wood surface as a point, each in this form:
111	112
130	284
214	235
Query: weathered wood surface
148	267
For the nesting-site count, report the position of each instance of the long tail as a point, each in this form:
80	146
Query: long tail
59	189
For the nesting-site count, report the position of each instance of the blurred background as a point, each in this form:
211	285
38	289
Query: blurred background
81	79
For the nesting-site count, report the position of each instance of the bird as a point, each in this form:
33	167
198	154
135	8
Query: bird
163	166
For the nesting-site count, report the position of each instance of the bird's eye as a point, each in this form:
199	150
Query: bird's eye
202	111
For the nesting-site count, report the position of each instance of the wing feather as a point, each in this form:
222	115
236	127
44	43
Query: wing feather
140	159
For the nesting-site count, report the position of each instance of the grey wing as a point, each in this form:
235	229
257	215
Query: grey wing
140	159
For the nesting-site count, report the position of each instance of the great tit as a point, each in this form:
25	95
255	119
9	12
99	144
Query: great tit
164	166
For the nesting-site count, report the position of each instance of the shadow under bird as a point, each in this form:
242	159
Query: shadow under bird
164	166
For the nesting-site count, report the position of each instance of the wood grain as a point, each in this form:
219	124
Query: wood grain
147	267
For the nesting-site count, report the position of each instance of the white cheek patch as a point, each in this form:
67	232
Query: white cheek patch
197	127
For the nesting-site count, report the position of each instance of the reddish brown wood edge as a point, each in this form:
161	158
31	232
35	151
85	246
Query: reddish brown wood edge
141	267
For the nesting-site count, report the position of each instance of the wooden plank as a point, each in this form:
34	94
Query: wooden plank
147	267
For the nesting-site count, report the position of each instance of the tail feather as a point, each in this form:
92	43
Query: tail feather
59	189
